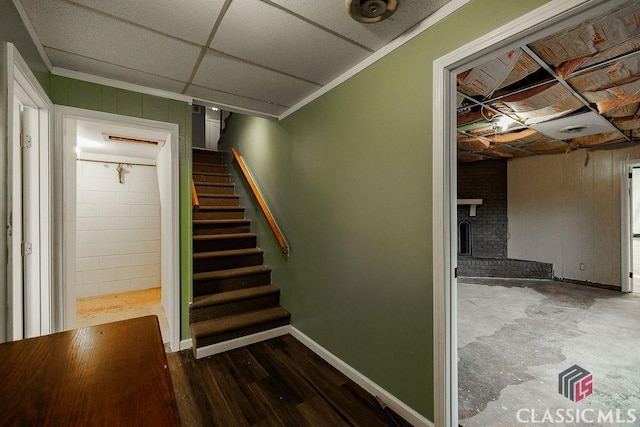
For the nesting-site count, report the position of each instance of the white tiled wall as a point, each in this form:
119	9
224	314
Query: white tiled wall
118	229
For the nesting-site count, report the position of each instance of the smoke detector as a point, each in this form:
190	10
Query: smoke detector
371	11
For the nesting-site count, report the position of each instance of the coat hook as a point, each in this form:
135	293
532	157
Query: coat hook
120	171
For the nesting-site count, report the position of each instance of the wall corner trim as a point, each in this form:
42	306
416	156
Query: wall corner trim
371	387
32	33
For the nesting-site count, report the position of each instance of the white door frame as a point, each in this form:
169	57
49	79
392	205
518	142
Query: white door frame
529	27
65	120
626	242
22	89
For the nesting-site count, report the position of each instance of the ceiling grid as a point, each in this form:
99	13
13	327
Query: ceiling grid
576	88
275	53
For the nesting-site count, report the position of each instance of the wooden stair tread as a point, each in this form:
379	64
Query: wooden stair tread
232	323
221	221
227	253
213	184
220	208
231	272
207	150
217	195
197	163
223	236
231	296
221	174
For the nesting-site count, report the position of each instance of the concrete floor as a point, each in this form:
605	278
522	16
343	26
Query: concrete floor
515	337
127	305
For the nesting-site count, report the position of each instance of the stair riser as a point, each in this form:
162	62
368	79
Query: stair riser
223	263
202	342
224	244
207	287
201	229
214	179
226	214
209	168
207	158
235	307
215	189
219	201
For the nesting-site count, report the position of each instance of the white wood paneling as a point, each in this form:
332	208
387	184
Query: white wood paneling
565	209
527	216
607	207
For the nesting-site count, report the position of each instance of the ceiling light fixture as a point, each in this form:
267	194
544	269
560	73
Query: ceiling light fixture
574	129
501	122
116	138
371	11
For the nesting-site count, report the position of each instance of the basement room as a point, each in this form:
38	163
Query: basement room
548	207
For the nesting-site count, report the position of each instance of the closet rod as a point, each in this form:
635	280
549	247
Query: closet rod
115	163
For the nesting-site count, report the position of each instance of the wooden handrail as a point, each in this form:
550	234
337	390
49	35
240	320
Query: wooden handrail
194	196
263	206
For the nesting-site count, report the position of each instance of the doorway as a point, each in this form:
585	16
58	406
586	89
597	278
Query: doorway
120	217
630	225
635	226
545	20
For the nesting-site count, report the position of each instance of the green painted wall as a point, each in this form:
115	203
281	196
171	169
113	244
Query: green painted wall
91	96
349	178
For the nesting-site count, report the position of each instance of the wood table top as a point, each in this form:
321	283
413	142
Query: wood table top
114	374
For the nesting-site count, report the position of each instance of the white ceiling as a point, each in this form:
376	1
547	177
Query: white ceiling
93	144
260	55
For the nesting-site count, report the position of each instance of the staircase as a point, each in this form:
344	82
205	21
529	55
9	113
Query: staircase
232	291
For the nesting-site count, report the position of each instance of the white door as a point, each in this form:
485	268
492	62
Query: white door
30	143
634	216
27	133
15	326
212	134
629	216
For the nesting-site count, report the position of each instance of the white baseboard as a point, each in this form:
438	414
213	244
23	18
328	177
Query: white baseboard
185	344
212	349
390	400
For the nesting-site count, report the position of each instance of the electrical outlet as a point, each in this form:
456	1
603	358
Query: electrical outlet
582	266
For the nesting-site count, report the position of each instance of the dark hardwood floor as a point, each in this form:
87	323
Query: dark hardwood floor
278	382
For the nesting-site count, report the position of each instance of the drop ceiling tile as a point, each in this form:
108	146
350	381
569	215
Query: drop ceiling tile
227	99
268	36
250	81
332	14
110	71
74	29
190	20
